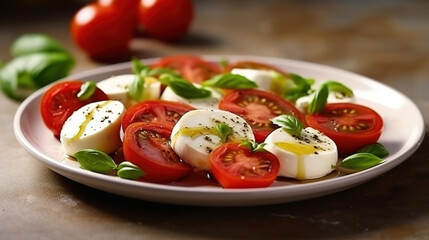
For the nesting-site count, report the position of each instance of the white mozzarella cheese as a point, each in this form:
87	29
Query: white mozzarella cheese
333	97
311	156
267	80
95	126
116	88
194	136
211	102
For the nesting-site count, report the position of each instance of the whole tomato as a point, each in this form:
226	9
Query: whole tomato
105	28
167	20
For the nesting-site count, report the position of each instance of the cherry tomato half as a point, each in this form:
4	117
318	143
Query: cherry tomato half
167	20
257	108
350	125
146	145
253	65
61	100
235	166
192	68
104	29
166	113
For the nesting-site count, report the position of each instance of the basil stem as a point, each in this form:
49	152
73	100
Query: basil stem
230	81
223	131
253	146
360	161
318	100
34	43
289	123
86	90
95	161
377	149
129	170
183	87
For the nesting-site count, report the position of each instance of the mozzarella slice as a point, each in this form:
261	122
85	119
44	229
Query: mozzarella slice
211	102
311	156
194	136
116	88
265	79
95	125
333	97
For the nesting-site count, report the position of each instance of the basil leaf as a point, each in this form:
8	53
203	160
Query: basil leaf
338	87
95	161
253	146
299	87
86	90
183	87
34	43
129	170
23	75
230	81
223	131
136	88
360	161
318	100
289	123
377	149
137	66
159	71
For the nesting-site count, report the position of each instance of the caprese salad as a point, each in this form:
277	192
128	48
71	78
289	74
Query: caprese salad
243	124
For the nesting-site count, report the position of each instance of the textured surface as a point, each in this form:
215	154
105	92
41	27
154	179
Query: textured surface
385	40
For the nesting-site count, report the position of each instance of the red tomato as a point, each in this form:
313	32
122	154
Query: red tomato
253	65
166	113
104	29
61	100
257	108
192	68
167	20
235	166
351	126
146	145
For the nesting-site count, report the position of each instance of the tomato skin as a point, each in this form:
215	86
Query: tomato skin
60	101
348	141
237	173
166	113
153	154
257	114
167	20
192	68
104	29
252	65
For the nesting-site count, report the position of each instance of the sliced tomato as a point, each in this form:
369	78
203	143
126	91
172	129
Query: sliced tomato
253	65
146	145
257	108
350	125
61	100
235	166
192	68
166	113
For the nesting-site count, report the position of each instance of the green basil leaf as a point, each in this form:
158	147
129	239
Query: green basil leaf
223	131
318	100
338	87
129	170
360	161
159	71
299	87
34	43
377	149
230	81
95	161
137	66
253	146
86	90
25	74
289	123
183	87
136	88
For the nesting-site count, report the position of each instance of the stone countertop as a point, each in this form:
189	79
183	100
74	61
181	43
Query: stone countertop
384	40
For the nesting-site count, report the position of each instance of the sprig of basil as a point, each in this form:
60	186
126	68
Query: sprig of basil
289	123
253	146
360	161
299	87
318	100
183	87
229	81
377	149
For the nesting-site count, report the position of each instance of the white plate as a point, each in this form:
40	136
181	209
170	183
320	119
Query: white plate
403	134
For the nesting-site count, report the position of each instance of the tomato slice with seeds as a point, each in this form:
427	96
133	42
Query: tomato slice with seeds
235	166
192	68
257	108
350	125
166	113
61	100
253	65
146	145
